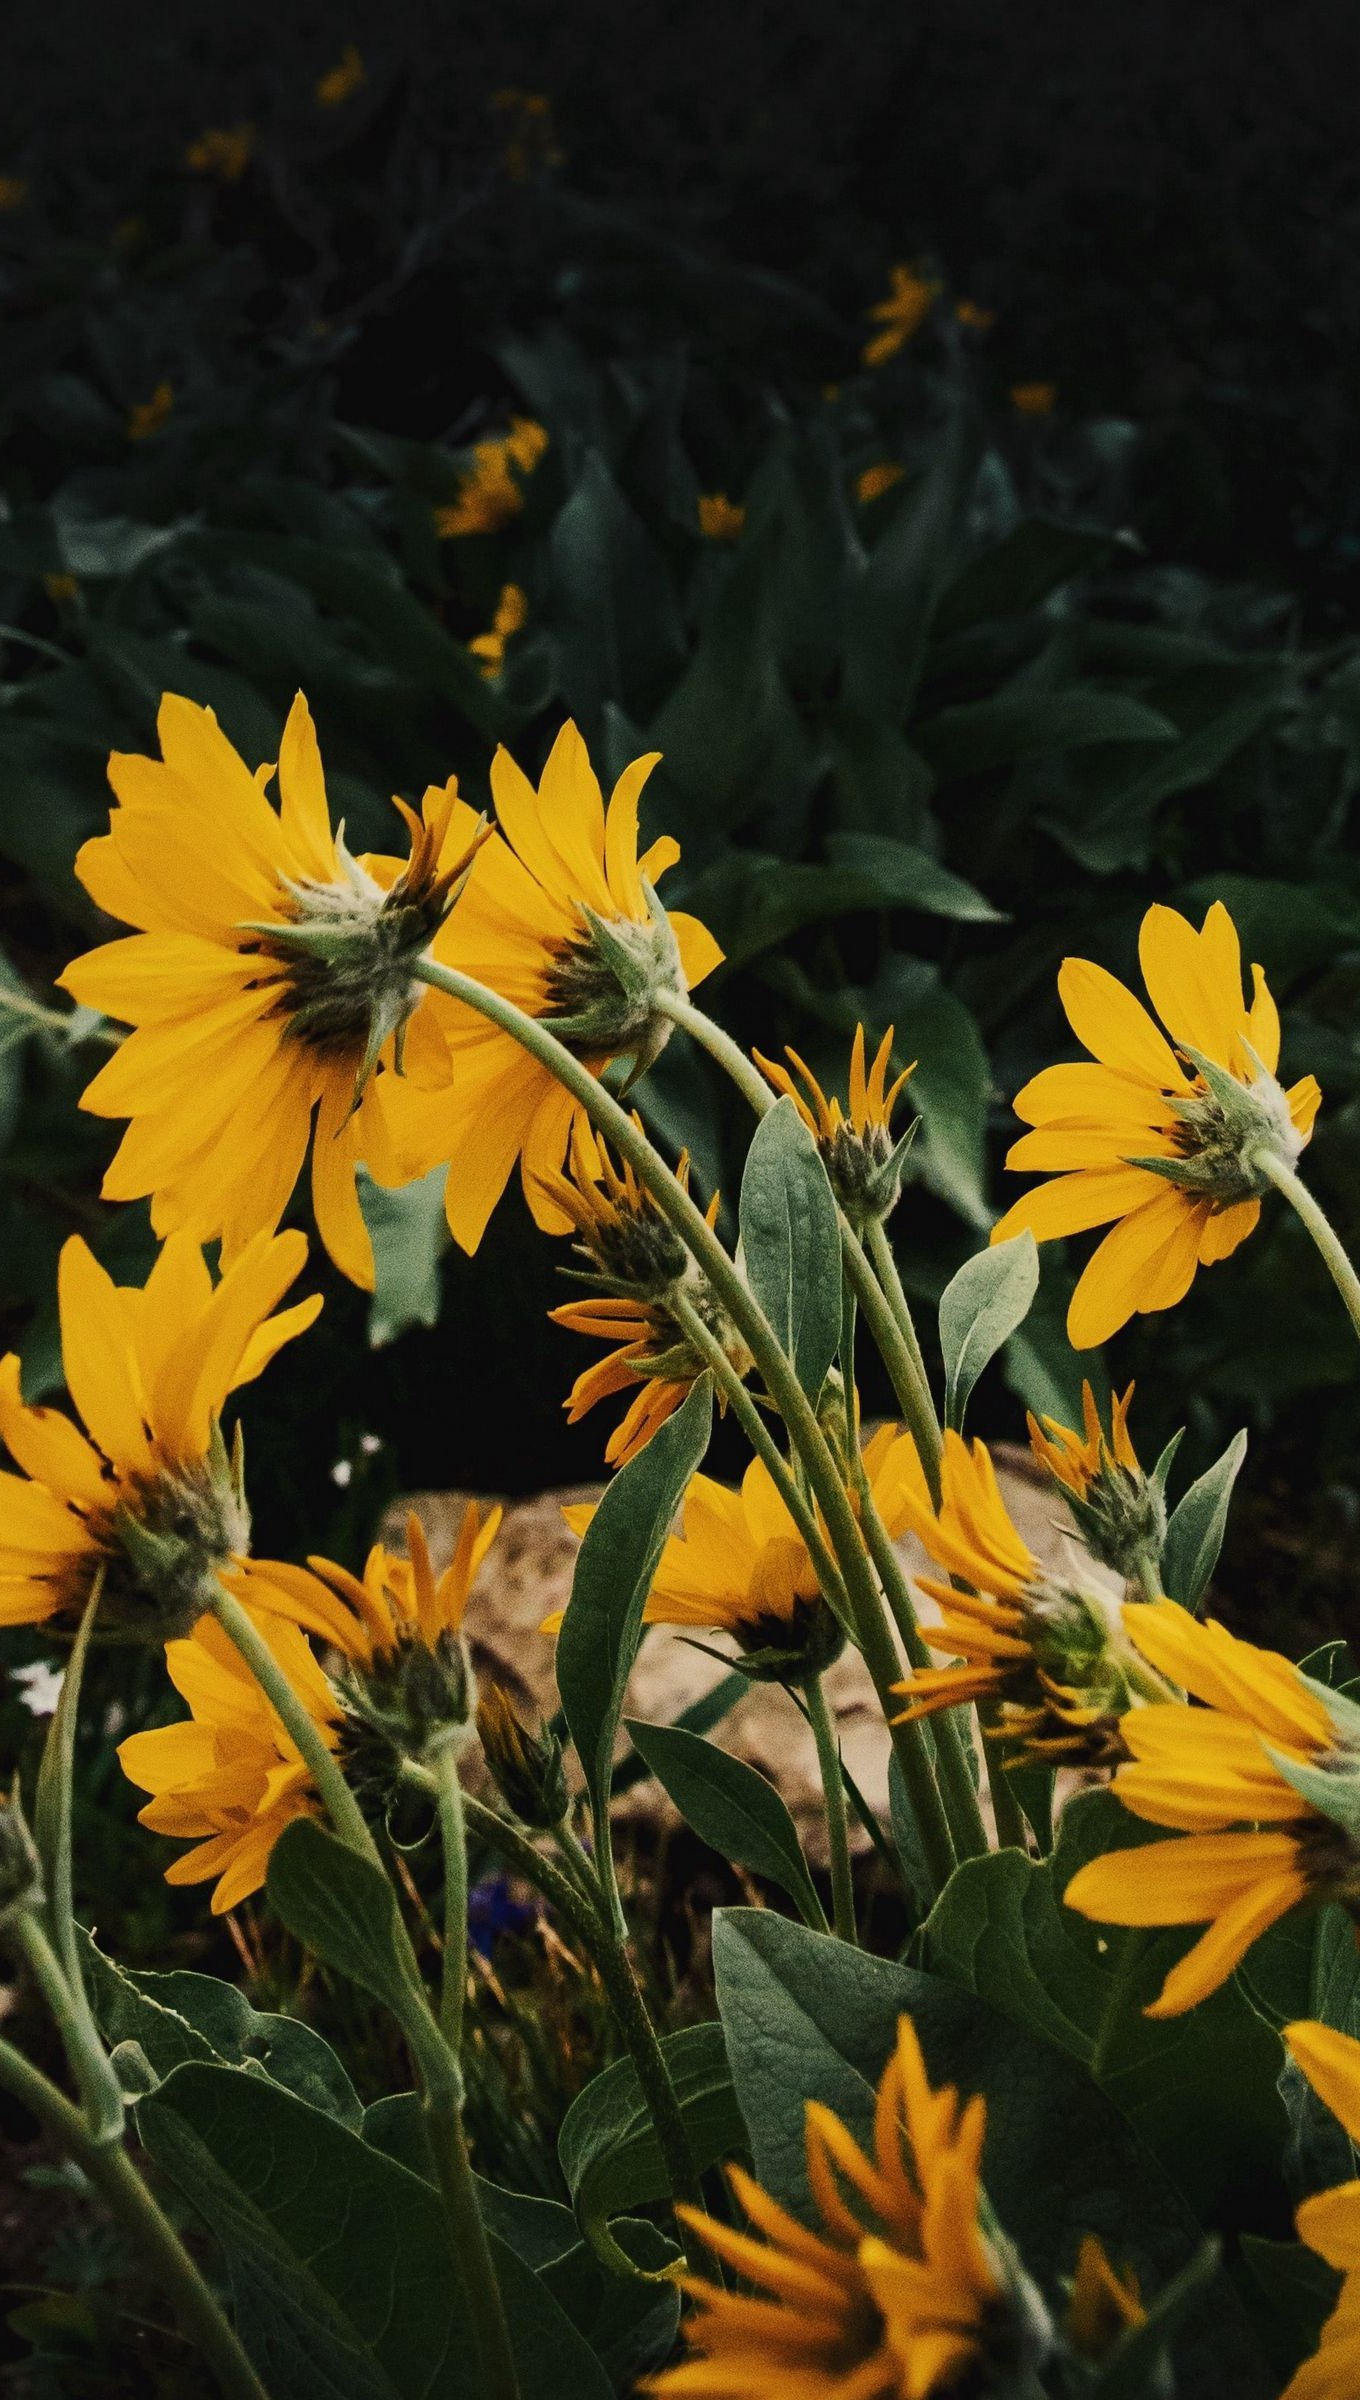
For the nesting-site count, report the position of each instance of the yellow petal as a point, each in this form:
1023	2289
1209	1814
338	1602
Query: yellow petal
96	1358
1114	1026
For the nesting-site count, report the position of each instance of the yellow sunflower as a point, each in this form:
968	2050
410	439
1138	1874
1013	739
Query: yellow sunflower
1254	1846
1155	1137
720	519
491	492
269	980
147	1493
896	2293
559	864
1329	2222
228	1777
395	1601
510	617
862	1158
909	302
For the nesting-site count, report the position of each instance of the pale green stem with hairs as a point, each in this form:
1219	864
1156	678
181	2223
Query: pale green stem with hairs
837	1819
1324	1234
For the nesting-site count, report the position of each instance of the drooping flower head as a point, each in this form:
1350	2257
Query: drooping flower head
1263	1781
510	617
1158	1139
491	492
909	302
147	1496
525	1767
1045	1656
1329	2222
874	480
635	1264
343	80
863	1159
561	917
900	2287
270	984
1119	1511
228	1777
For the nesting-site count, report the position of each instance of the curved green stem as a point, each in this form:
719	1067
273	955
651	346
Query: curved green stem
960	1805
719	1045
453	1842
1324	1234
1149	1576
144	2223
85	2053
837	1821
888	1313
305	1734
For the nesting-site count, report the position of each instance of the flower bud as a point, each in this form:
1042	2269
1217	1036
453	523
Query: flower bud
406	1704
525	1767
1119	1511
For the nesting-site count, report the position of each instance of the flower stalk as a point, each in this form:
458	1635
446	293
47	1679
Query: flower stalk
1325	1237
837	1820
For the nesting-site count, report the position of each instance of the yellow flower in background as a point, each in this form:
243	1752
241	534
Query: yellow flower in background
1329	2222
228	1777
1209	1771
878	479
61	590
1157	1148
1045	1657
530	135
343	80
511	616
1104	2304
894	2293
13	193
862	1158
720	519
1034	399
146	1493
395	1601
269	985
909	302
147	417
491	491
224	151
523	927
977	320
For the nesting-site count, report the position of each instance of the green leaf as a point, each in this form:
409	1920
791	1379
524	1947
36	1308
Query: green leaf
607	2149
951	1085
892	601
1115	831
1018	573
808	2018
733	1808
52	1796
791	1242
409	1234
629	2323
982	734
985	1303
1134	2367
341	1906
618	1559
1195	1530
897	874
700	1717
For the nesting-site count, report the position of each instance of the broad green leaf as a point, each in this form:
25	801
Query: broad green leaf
791	1242
808	2018
614	1570
339	1905
891	602
630	2324
1134	2368
985	1303
700	1717
409	1235
981	734
1116	831
733	1808
1019	572
951	1084
899	875
1195	1530
607	2149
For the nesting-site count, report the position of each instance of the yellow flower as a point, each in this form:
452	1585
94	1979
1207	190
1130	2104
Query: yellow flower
909	302
1137	1140
1119	1511
228	1777
1046	1658
861	1157
720	519
395	1601
531	138
512	615
894	2296
491	492
1104	2305
1209	1771
1034	399
148	1496
878	479
523	927
1329	2222
978	320
223	150
270	979
148	416
1079	1460
343	80
13	193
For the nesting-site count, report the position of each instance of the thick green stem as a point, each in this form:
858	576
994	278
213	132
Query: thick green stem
467	2234
85	2053
1149	1575
837	1821
729	1054
453	1841
144	2223
302	1730
1324	1234
878	1287
1011	1831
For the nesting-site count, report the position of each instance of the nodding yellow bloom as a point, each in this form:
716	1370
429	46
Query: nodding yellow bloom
720	519
511	616
874	481
1047	1659
861	1156
395	1601
1254	1846
343	80
636	1263
1119	1511
491	491
228	1777
909	302
1154	1140
224	151
1104	2304
270	983
147	1493
1034	399
896	2293
978	320
147	416
1329	2222
557	894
